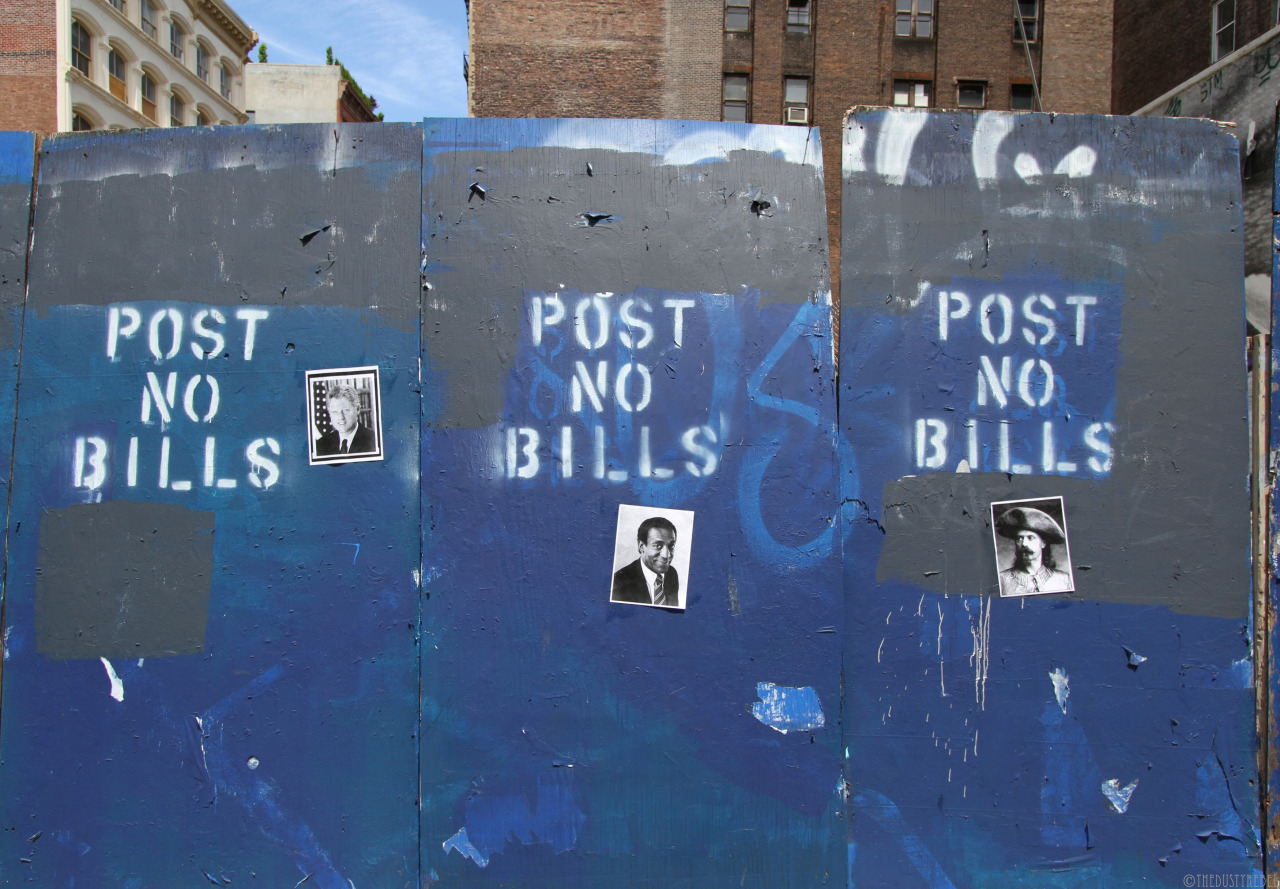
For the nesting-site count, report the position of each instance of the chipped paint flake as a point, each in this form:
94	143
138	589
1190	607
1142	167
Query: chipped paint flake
1061	686
787	709
1118	796
459	842
117	687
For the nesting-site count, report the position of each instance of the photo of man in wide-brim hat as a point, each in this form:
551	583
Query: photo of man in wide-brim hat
1035	533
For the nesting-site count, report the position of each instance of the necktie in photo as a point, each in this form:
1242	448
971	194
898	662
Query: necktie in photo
344	447
659	597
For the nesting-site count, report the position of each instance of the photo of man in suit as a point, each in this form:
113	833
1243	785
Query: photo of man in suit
348	435
650	579
1033	533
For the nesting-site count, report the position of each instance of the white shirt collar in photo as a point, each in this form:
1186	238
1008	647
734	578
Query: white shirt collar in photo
649	578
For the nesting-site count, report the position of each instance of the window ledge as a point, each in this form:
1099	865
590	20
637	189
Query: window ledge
134	114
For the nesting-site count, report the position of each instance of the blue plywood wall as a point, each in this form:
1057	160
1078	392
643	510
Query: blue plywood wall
226	664
1036	307
628	313
210	664
17	156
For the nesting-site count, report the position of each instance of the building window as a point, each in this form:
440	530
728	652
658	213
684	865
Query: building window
80	123
224	82
798	16
737	88
795	98
80	52
1224	29
148	19
117	71
147	86
119	5
915	18
971	94
202	119
1025	20
1022	97
202	63
737	15
911	93
177	111
176	40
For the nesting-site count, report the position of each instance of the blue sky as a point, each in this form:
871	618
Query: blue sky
405	53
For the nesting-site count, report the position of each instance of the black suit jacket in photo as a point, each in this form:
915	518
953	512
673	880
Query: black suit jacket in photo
629	585
362	442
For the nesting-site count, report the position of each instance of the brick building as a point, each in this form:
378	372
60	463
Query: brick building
799	62
111	64
1159	44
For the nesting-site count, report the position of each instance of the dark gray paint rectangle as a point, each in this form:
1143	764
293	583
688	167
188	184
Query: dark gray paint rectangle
123	579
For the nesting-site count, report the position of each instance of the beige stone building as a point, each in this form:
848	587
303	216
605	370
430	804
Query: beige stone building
110	64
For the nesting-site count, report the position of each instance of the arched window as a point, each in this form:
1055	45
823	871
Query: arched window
177	111
148	89
148	18
202	62
118	75
202	118
81	52
177	39
81	123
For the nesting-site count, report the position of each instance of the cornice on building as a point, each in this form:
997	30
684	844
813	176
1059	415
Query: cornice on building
225	17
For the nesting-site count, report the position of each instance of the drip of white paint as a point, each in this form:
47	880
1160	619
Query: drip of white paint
1118	796
1061	686
7	631
117	687
879	651
942	662
980	659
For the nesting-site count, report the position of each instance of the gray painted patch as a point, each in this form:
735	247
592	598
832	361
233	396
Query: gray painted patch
1160	220
229	226
683	227
15	214
122	579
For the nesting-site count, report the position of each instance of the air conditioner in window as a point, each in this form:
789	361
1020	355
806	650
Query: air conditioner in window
797	114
